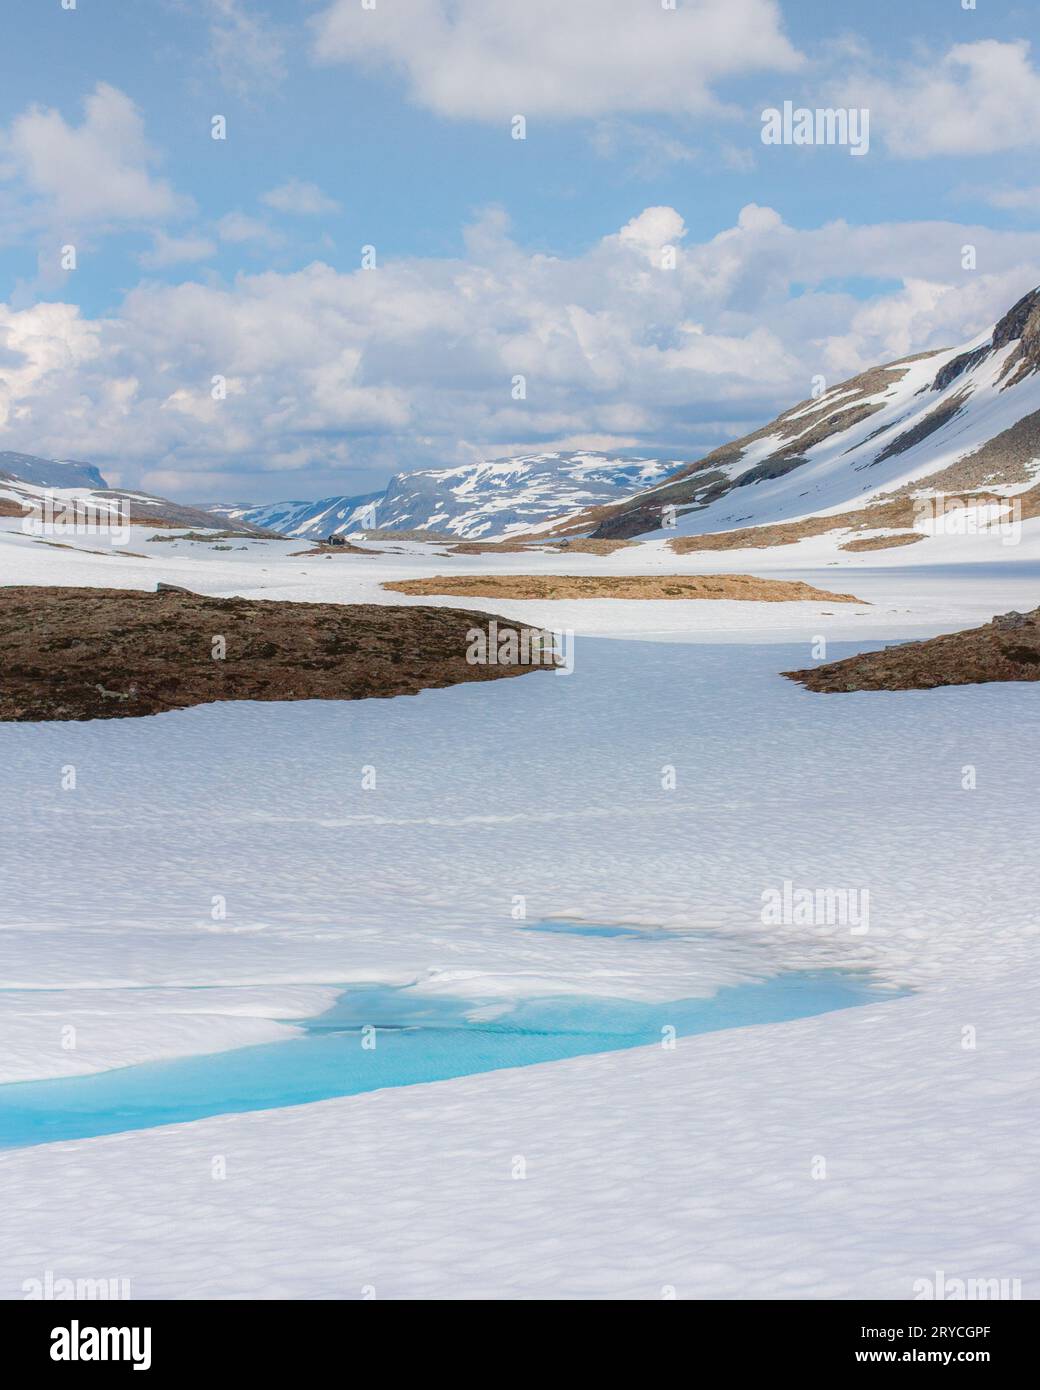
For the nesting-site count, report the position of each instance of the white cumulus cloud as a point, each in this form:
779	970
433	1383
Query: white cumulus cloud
95	175
491	59
169	250
975	99
246	47
239	227
297	196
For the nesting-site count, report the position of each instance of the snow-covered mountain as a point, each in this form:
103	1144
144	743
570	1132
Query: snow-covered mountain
27	468
951	422
326	517
473	501
27	482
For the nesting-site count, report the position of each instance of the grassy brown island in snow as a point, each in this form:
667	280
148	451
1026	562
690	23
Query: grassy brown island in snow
641	586
1007	649
71	653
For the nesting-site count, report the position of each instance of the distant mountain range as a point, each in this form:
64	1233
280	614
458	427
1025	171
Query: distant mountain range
487	499
25	480
476	501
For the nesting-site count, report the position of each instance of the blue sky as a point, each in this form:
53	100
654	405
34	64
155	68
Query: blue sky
496	257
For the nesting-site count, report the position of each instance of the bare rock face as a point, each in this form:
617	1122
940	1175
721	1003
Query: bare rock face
1015	620
1020	324
1022	321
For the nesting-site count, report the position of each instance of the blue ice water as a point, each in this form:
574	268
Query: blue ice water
417	1040
565	928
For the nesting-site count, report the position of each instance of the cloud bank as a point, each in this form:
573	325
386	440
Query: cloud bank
415	361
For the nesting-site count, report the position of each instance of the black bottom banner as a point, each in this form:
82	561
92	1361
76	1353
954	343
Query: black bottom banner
167	1341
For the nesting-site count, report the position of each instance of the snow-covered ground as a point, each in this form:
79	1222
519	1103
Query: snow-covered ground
942	583
648	1174
218	872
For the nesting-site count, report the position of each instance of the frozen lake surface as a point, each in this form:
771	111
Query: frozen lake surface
220	877
375	1037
